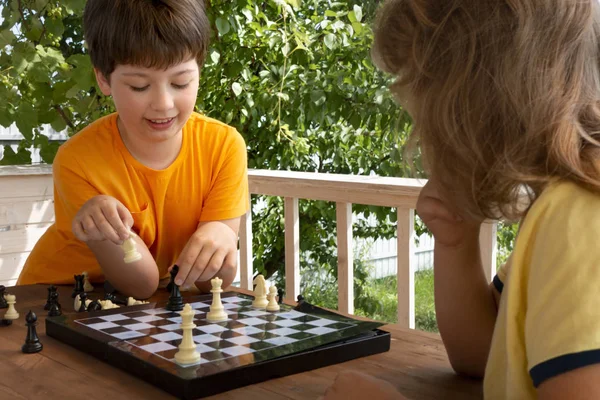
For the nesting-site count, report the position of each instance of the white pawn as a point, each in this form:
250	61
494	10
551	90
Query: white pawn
188	353
272	296
11	313
87	286
131	253
217	311
260	292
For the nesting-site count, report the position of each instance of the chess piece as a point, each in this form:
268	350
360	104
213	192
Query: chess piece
5	322
51	289
300	298
3	303
175	302
32	342
108	305
272	306
133	302
87	286
55	308
280	293
11	313
78	285
131	253
77	303
260	292
187	354
94	306
217	311
83	301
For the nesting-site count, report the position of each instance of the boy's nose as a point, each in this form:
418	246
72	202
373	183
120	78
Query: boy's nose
162	101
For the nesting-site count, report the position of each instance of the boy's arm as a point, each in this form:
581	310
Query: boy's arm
138	279
212	249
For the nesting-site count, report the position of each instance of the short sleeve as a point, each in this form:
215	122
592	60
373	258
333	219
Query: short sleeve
72	188
229	196
562	322
501	274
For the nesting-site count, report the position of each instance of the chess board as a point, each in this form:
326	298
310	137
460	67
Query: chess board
251	346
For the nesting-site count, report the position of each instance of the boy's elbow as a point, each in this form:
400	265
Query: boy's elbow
147	288
144	286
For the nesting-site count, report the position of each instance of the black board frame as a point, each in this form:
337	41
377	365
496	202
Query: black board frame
372	342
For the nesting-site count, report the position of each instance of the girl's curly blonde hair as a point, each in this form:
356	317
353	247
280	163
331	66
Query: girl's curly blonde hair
504	94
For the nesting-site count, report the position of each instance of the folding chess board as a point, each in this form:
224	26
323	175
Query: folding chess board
251	346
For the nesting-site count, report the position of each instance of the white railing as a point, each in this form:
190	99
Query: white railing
26	211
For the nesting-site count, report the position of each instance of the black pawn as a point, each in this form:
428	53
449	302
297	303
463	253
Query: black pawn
51	289
5	322
55	308
300	298
32	342
175	302
94	306
78	285
83	298
280	293
3	303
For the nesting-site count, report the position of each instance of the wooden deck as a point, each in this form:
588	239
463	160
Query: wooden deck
416	364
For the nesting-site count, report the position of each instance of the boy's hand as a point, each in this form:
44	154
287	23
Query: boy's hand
102	218
351	385
211	250
448	227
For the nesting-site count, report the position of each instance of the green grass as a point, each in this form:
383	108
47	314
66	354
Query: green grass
386	290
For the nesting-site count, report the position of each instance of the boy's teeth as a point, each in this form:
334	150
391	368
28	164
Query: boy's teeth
160	121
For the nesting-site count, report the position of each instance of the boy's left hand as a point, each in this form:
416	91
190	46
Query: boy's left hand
211	250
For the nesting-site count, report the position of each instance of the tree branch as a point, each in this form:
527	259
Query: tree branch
27	27
64	116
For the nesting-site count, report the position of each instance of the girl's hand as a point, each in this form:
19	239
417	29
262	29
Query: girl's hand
448	227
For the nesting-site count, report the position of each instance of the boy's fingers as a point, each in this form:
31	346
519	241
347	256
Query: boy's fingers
121	232
213	266
105	228
186	260
194	274
90	228
126	220
78	231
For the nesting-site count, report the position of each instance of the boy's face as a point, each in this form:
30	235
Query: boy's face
153	105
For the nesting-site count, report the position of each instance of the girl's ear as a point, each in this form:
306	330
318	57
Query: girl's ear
103	82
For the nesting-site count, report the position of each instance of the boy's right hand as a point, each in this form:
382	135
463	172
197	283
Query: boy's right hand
103	218
448	227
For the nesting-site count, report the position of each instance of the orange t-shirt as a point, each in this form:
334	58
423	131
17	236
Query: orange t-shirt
207	182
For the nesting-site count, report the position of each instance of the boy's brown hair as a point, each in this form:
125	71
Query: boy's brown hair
505	94
147	33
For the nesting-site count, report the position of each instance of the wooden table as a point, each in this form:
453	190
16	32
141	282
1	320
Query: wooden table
416	364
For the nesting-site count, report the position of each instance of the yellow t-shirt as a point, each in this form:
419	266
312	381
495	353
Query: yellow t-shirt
206	182
549	317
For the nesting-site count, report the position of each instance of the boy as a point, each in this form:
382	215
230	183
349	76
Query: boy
176	181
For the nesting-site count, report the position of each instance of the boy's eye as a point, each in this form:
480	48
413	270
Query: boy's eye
138	89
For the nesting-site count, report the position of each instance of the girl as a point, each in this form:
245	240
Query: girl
505	97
